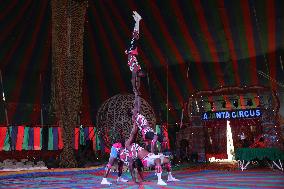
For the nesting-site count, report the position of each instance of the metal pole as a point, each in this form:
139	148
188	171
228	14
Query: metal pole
167	94
5	109
41	111
4	99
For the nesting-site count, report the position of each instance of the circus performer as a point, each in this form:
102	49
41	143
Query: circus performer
149	159
137	163
147	132
133	164
132	53
116	149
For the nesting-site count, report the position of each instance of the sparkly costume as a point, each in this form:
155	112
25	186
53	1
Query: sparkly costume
132	53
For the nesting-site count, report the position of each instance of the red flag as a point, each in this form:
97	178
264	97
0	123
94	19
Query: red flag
37	137
3	131
20	137
76	138
60	141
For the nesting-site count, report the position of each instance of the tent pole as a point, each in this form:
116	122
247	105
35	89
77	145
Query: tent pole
41	111
4	99
167	94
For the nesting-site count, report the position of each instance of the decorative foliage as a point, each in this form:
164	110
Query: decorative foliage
68	19
114	117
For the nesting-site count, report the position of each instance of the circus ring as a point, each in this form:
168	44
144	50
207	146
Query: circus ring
190	178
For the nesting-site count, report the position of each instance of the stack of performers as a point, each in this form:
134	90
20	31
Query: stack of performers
142	123
129	152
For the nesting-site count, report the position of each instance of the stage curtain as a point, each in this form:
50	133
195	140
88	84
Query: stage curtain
41	138
60	141
3	131
26	139
94	139
7	139
20	137
76	138
166	134
158	129
37	137
45	137
55	138
50	139
14	136
31	138
86	134
98	142
82	137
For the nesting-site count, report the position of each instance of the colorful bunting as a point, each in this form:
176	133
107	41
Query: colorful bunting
30	138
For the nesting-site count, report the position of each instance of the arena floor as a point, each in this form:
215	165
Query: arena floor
190	178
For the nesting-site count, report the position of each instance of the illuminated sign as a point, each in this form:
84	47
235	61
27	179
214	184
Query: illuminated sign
235	114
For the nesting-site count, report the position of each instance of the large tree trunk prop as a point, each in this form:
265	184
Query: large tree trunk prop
68	17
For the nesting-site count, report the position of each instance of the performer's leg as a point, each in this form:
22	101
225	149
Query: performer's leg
159	170
138	98
133	82
167	164
120	167
131	169
139	169
153	143
137	84
107	170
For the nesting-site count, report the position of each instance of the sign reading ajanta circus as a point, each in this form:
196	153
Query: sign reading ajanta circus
233	114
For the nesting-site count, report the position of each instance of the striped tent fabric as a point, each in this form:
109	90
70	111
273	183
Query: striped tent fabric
184	47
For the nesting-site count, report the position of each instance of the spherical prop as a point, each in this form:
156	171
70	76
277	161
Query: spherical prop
114	118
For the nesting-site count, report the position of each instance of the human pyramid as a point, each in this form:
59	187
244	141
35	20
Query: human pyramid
128	152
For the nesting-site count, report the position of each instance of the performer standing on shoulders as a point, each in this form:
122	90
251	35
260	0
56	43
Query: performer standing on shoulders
147	132
132	53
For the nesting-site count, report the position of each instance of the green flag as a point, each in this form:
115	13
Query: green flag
98	142
7	141
26	138
50	139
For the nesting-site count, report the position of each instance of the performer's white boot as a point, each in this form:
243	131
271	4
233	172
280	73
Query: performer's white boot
105	181
171	178
120	179
160	180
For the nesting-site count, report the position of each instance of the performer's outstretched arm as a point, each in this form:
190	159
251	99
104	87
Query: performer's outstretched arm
132	135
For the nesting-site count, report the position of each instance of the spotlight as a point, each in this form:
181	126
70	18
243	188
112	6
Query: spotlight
235	103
